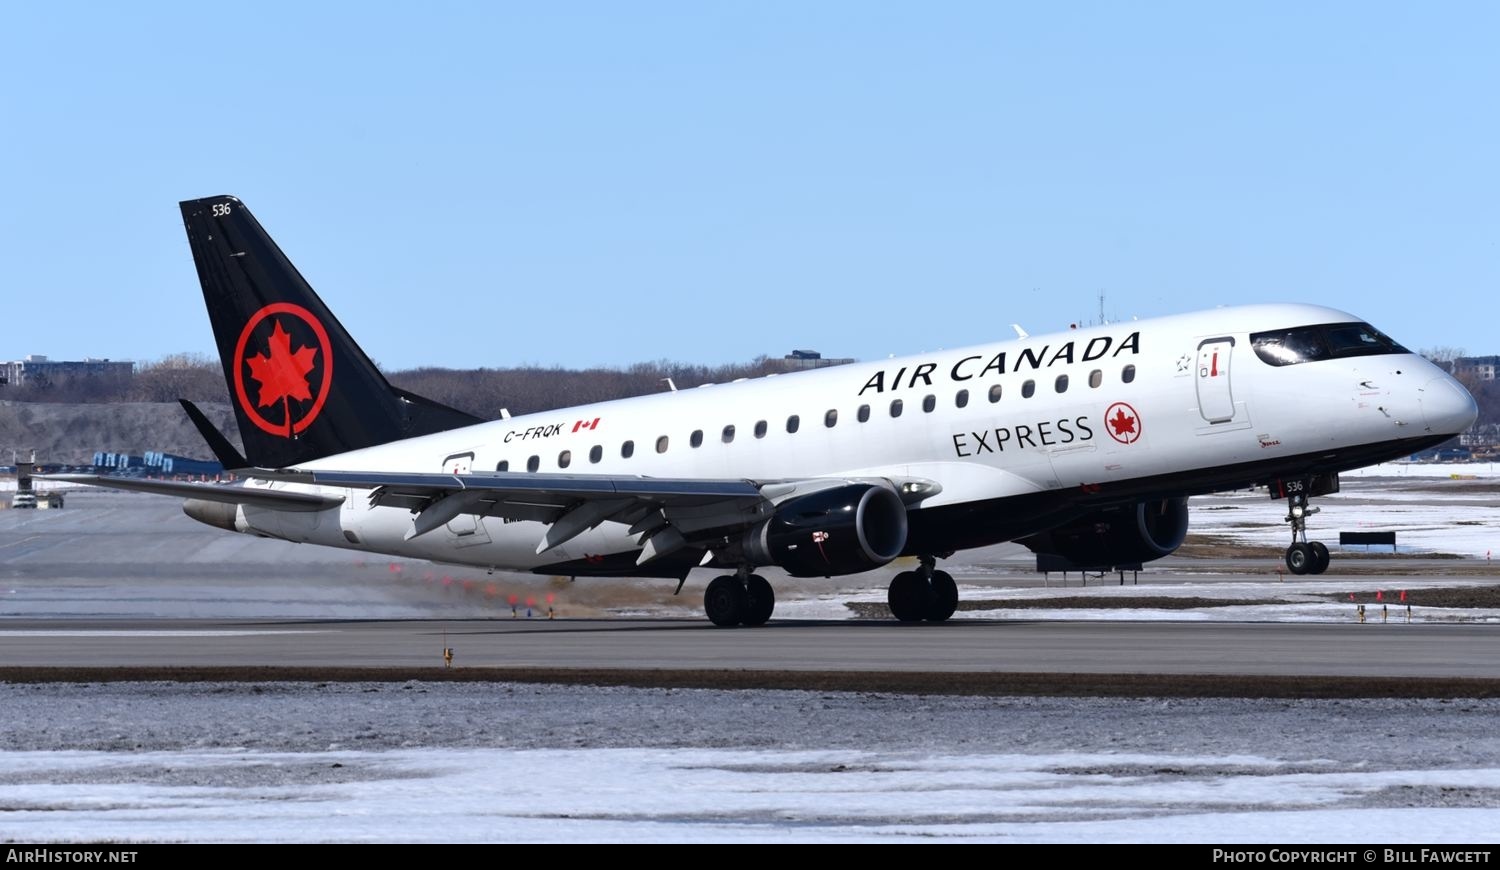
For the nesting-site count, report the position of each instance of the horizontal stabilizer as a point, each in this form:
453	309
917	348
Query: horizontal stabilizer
229	457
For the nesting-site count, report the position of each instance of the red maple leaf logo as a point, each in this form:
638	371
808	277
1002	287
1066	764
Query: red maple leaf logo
282	374
1122	423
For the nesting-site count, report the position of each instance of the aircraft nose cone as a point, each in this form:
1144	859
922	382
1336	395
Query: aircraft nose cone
1448	407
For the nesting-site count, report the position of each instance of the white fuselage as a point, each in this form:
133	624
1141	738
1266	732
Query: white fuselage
1163	406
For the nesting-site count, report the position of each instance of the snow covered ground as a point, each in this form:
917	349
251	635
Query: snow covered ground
477	762
590	795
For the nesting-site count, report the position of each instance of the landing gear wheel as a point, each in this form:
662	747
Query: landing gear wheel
1304	556
910	597
1320	557
944	597
1299	558
762	600
725	601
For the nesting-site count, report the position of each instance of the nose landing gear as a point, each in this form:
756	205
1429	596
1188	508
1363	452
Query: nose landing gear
1304	556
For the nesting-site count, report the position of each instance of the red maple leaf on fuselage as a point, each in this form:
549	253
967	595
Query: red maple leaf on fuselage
1122	423
283	373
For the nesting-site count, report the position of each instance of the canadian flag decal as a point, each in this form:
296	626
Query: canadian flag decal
586	424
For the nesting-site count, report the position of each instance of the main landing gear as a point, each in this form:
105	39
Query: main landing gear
1303	556
740	599
923	594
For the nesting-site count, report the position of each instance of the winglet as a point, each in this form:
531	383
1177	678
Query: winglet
229	457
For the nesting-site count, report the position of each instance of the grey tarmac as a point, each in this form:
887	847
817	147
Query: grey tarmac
978	656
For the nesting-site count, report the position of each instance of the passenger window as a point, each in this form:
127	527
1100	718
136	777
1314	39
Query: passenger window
661	444
864	413
792	423
896	406
961	399
728	434
627	450
1061	384
995	393
596	453
1028	389
503	465
533	464
929	403
760	429
1096	378
696	439
831	419
1128	374
564	459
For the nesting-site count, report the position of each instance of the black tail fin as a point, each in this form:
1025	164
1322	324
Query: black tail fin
300	386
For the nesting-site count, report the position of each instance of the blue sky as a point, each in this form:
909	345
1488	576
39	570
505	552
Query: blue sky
604	183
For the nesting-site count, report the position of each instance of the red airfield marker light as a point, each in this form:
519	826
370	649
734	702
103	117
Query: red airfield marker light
530	605
551	611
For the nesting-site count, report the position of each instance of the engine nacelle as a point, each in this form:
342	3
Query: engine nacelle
844	530
1117	536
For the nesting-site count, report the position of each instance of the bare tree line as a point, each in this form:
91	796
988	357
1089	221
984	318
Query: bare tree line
481	392
182	375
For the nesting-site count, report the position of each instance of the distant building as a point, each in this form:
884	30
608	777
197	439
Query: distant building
1480	368
37	370
798	360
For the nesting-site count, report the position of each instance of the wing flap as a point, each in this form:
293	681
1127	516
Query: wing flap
560	486
572	504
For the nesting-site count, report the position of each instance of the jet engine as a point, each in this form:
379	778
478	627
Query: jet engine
1123	535
843	530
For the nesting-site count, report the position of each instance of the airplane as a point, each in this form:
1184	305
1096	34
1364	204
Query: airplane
1083	445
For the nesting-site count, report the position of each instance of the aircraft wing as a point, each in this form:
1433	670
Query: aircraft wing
223	493
668	513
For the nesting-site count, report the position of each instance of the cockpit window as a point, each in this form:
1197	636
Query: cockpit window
1359	339
1285	347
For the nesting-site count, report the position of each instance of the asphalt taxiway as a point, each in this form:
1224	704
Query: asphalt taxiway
985	656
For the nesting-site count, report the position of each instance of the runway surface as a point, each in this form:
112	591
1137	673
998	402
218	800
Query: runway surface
977	654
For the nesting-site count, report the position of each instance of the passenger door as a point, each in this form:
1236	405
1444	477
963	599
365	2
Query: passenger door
1215	397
